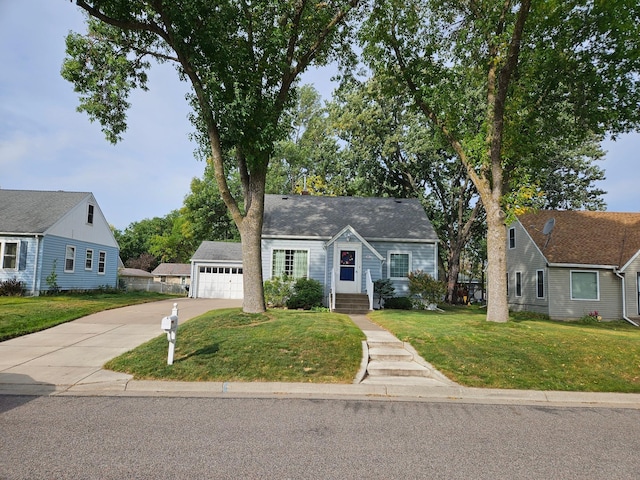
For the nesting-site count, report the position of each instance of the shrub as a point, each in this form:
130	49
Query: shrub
12	288
307	294
384	289
428	288
398	303
277	291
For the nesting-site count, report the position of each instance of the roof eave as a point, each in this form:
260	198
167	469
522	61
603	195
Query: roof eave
583	265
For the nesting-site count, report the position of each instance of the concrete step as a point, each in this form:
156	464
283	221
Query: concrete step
378	368
351	311
390	354
412	381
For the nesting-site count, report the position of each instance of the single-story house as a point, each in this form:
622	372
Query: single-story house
345	243
569	264
216	271
56	240
175	273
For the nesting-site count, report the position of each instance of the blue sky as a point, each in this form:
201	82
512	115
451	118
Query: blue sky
46	145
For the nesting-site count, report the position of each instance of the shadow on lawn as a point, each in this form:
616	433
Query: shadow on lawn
205	351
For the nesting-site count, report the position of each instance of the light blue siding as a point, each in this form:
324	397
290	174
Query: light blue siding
24	271
316	257
54	248
423	257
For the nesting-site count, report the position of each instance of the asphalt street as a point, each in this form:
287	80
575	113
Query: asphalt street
227	438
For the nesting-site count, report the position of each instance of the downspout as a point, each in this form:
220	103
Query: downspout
35	288
624	300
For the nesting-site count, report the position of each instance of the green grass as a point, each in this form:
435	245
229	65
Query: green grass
525	353
228	345
22	315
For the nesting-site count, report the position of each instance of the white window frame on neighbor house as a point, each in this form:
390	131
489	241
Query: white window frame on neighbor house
518	284
91	209
69	258
512	238
7	263
88	260
102	262
291	265
597	285
391	274
540	284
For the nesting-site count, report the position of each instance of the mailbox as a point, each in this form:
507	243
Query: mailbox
169	323
170	326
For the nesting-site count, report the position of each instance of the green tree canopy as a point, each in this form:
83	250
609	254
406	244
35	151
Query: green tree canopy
502	79
242	60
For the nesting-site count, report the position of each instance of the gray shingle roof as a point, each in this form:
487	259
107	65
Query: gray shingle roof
172	269
223	251
32	211
323	217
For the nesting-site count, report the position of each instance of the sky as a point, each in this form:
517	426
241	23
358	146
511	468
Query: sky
45	144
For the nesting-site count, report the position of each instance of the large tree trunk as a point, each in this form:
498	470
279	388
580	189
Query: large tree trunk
250	233
452	274
497	306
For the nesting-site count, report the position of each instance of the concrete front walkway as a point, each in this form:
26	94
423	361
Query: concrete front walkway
73	353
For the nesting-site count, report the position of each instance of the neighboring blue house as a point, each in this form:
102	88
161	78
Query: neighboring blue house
345	243
41	231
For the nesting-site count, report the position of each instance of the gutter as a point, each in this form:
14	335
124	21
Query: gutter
624	301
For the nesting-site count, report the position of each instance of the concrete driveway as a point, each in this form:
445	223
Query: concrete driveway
73	353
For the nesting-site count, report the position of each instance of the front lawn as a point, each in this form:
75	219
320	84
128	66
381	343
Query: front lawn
229	345
22	315
525	353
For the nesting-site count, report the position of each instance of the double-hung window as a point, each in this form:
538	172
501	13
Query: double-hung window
585	285
9	255
102	262
290	263
70	259
518	284
512	238
88	261
399	264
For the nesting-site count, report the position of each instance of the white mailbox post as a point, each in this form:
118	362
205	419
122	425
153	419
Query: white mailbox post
170	326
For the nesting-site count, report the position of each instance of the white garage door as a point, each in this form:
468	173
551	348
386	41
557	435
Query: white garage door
220	282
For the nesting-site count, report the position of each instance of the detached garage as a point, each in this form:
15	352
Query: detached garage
216	271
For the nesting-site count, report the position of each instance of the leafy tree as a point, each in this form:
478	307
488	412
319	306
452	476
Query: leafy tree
176	243
500	79
145	261
307	158
205	212
393	152
242	60
135	240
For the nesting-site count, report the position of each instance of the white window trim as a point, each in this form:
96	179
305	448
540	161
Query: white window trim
518	279
597	299
104	270
66	248
398	252
3	245
544	290
86	257
512	229
274	249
